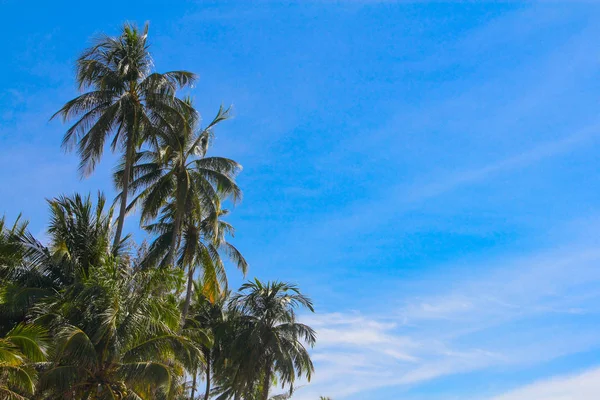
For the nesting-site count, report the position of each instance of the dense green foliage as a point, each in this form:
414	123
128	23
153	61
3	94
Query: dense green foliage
89	314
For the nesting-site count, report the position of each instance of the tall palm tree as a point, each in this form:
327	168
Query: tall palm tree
271	340
124	99
177	180
176	176
211	314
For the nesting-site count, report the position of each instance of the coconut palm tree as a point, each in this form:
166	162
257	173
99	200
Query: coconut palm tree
79	238
115	337
211	314
176	175
20	349
271	340
177	180
122	98
115	327
80	234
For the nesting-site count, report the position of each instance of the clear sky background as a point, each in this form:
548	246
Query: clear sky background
427	172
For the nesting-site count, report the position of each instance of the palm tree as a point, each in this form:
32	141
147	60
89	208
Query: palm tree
209	314
80	234
79	238
23	346
124	99
270	340
114	338
176	175
115	325
177	180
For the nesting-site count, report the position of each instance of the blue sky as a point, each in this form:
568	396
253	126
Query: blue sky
427	172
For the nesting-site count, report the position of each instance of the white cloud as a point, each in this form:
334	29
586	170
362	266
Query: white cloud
465	327
585	386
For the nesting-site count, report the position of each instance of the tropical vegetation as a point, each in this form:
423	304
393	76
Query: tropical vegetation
88	313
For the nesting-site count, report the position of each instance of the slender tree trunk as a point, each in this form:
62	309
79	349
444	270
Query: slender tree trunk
207	392
126	175
194	384
180	201
174	238
267	382
188	294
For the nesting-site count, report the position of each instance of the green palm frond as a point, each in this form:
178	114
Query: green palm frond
20	349
73	344
31	340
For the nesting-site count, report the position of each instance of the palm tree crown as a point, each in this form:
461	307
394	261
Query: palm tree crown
270	334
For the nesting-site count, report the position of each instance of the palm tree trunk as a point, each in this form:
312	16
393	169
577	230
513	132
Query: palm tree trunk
126	175
176	230
207	392
267	382
188	294
194	385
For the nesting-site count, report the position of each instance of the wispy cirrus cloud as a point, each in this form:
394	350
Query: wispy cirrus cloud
463	327
583	386
526	158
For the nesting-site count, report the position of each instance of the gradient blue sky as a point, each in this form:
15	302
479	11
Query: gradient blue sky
427	172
